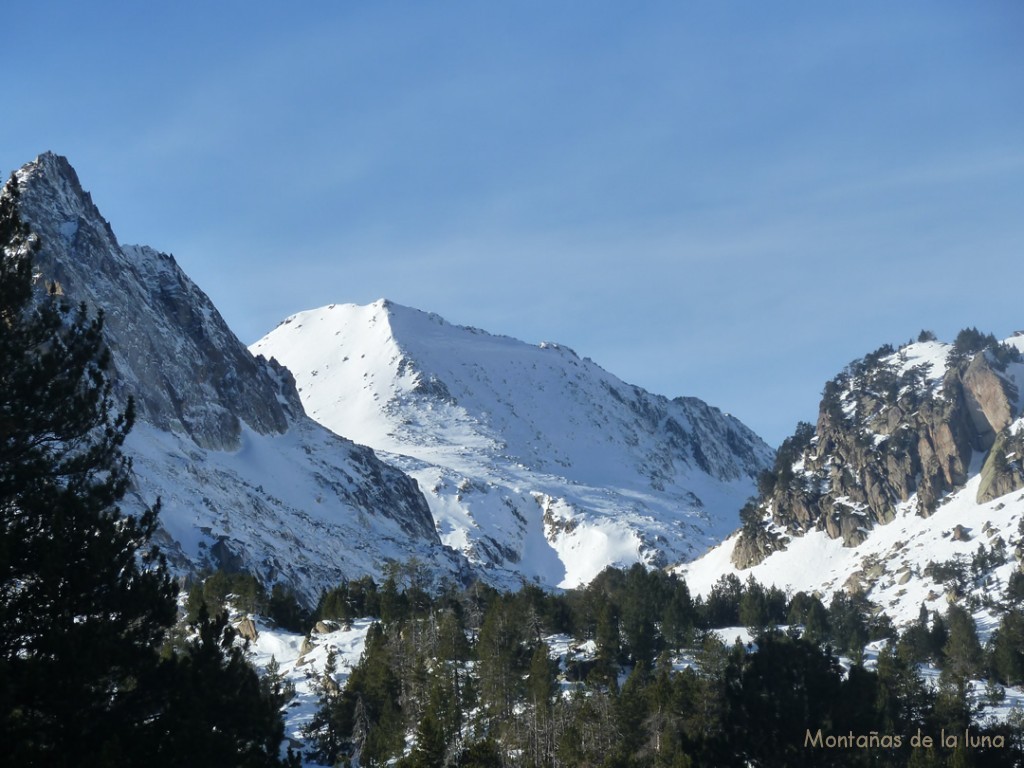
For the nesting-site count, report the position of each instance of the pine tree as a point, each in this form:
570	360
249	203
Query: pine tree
80	618
500	659
902	701
541	682
753	608
217	711
608	641
962	654
1007	655
436	728
788	685
327	728
275	686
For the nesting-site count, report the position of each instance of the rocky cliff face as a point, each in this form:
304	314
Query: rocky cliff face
894	428
171	349
246	479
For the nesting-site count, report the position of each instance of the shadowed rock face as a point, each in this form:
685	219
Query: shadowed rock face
171	349
884	433
247	480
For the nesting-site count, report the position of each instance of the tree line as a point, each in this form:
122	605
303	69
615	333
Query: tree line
469	678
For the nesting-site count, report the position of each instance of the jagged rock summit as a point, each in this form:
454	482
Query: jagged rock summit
535	462
246	479
909	489
187	371
896	428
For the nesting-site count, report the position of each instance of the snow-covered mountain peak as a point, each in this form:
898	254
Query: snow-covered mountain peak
246	479
524	450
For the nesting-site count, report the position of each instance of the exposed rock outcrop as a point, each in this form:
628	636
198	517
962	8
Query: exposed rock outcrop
1003	471
888	428
171	349
247	629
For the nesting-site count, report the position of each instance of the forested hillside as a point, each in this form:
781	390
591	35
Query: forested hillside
634	671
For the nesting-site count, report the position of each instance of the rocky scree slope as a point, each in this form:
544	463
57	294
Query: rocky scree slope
247	481
537	464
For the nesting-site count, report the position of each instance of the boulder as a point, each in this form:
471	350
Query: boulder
247	629
961	534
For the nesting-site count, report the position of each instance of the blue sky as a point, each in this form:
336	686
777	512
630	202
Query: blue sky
726	200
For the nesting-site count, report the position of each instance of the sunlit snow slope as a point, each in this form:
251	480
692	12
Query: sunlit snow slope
534	462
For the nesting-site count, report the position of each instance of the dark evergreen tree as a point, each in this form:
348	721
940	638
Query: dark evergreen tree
902	703
80	619
809	611
328	729
284	608
641	600
937	636
501	658
608	647
678	616
753	607
1007	649
373	685
541	683
962	654
722	608
849	631
275	686
436	731
773	697
915	645
218	711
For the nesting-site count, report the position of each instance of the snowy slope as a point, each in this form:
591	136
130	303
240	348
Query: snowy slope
895	564
246	479
534	461
891	562
302	660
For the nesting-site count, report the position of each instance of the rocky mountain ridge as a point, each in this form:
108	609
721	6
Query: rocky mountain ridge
246	480
220	387
909	489
893	426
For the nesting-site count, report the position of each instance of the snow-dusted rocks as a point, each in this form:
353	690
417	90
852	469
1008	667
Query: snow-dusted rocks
895	425
537	464
913	473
